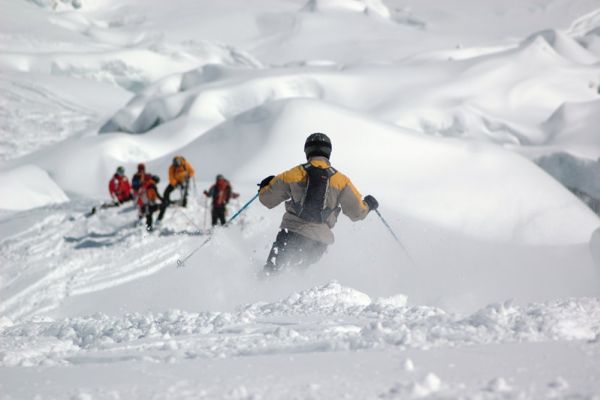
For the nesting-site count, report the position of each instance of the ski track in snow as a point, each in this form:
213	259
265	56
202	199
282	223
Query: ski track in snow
32	117
64	255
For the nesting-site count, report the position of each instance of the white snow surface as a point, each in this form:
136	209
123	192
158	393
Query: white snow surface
34	187
465	119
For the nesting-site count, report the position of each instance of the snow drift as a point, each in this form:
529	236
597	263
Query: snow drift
34	187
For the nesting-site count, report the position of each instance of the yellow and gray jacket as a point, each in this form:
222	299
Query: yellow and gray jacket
340	196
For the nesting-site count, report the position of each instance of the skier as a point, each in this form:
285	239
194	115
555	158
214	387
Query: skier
119	188
147	199
314	193
220	193
180	173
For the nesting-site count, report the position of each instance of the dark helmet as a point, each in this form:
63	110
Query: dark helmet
177	161
141	167
120	171
155	178
220	177
317	144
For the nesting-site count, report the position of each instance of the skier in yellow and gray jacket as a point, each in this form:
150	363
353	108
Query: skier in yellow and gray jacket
314	193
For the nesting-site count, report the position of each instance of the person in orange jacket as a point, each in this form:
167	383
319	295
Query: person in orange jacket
180	173
119	187
147	197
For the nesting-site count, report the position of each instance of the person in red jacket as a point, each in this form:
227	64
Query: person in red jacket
147	199
220	193
119	187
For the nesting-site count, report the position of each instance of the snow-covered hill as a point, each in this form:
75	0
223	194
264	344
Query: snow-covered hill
469	121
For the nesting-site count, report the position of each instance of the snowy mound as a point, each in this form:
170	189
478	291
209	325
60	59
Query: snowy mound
34	187
586	29
474	178
60	4
501	97
206	97
573	172
564	45
175	334
573	125
332	298
118	54
369	7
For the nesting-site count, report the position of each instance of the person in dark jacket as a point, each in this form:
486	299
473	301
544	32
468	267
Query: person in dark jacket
138	179
220	193
314	194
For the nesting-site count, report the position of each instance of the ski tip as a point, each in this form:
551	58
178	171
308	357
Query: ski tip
180	263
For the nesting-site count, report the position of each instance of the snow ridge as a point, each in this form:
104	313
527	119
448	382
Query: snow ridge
325	318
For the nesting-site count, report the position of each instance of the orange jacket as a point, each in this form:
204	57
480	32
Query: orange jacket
148	193
181	173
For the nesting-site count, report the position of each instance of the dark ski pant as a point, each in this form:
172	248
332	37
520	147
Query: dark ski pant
218	215
148	210
291	249
166	201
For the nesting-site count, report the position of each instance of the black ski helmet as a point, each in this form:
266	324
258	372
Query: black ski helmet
317	144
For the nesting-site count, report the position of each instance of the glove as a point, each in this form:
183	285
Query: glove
206	193
265	182
371	202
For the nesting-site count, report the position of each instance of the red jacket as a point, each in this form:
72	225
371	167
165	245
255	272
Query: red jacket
221	193
119	188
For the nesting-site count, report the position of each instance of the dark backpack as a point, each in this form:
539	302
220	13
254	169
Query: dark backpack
312	208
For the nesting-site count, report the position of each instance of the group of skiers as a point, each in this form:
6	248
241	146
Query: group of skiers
314	193
144	192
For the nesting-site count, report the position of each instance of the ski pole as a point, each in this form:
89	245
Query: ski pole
205	212
181	262
190	220
234	216
395	237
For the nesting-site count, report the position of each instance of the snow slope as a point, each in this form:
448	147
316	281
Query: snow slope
34	186
467	120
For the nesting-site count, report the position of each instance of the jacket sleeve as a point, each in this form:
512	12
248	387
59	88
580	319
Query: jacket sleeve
227	193
352	203
172	179
276	192
190	170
